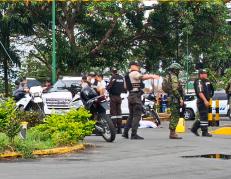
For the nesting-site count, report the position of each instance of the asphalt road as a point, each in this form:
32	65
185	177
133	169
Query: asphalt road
155	157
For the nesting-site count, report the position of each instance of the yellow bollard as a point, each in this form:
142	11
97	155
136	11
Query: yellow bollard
180	128
210	115
217	117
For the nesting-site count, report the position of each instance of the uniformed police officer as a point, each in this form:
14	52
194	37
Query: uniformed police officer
176	99
115	88
134	86
228	92
204	91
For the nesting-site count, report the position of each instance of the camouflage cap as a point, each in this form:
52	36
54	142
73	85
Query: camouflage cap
175	66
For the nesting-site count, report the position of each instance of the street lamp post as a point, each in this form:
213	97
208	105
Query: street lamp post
53	43
187	68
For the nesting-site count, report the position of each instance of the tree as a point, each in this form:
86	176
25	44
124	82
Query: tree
11	23
204	25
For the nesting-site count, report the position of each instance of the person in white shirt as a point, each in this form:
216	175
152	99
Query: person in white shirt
101	86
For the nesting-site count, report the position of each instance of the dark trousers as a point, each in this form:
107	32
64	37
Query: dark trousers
115	110
203	118
135	112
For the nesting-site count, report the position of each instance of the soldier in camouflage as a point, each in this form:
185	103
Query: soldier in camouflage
176	99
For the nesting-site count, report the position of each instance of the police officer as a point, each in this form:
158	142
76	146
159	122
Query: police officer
115	88
176	99
204	91
228	92
134	85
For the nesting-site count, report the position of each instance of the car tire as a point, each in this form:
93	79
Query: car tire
228	114
189	114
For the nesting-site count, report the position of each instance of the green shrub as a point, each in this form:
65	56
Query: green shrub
32	117
25	148
4	142
65	129
9	122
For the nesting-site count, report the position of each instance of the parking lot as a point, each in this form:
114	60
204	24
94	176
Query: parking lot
154	157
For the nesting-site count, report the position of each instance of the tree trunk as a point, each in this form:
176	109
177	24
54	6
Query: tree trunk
6	43
5	67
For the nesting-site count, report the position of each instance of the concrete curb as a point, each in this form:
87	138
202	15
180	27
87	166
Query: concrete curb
54	151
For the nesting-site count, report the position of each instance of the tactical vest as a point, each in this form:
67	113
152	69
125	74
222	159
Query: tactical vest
130	85
118	86
207	88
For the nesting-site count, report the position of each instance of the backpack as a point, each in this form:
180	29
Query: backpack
167	84
128	82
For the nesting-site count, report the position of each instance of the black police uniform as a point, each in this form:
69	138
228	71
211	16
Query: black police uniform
135	105
115	88
205	87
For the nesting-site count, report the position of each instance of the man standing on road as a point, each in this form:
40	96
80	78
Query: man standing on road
204	91
134	85
228	92
115	88
176	99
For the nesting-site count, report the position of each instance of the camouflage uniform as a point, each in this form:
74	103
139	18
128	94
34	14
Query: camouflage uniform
175	101
176	97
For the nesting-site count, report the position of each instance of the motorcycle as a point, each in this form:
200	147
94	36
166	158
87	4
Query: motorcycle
31	101
97	105
149	109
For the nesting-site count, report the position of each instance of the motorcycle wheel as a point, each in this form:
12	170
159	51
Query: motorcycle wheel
109	133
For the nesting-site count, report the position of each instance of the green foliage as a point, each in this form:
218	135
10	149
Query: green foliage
219	82
94	35
24	147
57	130
9	122
65	129
4	142
10	118
199	27
32	117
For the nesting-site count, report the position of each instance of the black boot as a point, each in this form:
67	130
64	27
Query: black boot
206	134
125	133
195	127
135	136
205	131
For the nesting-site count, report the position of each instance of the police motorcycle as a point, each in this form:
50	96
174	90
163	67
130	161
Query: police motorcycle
149	109
97	105
32	100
